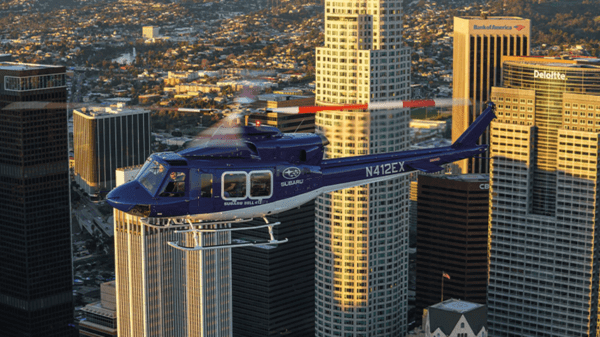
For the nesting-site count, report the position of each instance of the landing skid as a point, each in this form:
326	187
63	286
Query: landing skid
197	228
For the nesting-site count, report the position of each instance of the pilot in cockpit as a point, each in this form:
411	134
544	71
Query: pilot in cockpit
176	185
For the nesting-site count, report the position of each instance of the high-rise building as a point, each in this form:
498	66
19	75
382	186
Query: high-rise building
361	276
544	266
480	43
106	138
162	291
100	318
452	234
274	286
36	274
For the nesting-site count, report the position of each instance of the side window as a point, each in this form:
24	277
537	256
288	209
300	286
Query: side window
234	185
206	181
261	184
174	185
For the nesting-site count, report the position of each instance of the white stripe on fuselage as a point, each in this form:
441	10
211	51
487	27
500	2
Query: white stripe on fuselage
285	204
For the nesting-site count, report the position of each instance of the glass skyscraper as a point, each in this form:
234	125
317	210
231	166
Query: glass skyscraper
36	277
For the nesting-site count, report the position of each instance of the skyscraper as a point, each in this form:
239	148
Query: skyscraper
361	272
544	265
106	138
162	291
452	234
273	286
480	43
36	275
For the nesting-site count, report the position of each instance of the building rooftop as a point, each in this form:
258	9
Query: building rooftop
445	315
15	66
107	112
574	62
467	178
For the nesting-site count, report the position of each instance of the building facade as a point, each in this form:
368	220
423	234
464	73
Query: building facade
480	43
452	234
274	286
36	274
162	291
361	261
105	139
544	265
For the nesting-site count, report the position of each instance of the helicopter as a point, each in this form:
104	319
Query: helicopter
263	172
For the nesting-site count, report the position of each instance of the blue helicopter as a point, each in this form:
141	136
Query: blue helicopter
267	172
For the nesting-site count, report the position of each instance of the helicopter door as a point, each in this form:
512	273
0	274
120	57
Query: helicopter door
201	192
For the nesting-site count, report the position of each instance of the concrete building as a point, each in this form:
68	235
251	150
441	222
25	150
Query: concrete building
361	278
36	273
544	265
452	235
100	318
162	291
106	138
480	43
455	318
150	32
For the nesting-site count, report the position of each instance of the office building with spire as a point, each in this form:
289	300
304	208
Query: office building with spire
361	276
36	274
480	43
544	265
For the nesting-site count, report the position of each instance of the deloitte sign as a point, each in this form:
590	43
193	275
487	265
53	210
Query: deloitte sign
549	75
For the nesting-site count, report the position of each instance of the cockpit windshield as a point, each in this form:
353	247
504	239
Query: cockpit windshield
151	175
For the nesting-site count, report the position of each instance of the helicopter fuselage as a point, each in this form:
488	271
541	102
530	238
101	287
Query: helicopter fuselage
269	174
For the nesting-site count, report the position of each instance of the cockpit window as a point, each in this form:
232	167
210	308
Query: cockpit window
151	175
234	185
174	186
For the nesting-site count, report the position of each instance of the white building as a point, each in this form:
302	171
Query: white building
362	232
455	318
162	291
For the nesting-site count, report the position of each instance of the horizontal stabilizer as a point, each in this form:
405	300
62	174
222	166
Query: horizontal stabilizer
426	166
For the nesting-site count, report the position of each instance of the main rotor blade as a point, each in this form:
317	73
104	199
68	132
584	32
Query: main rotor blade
419	103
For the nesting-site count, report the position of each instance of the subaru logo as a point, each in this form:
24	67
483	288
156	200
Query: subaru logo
291	173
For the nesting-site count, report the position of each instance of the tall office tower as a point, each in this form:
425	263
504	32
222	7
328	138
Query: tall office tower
452	234
361	276
106	138
480	43
544	237
273	287
162	291
36	274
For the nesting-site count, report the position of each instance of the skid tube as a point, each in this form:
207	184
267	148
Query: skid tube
199	227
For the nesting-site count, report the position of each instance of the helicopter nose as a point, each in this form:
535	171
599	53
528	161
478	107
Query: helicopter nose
129	196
